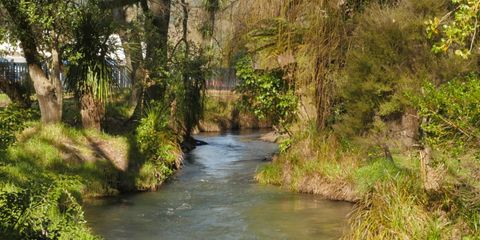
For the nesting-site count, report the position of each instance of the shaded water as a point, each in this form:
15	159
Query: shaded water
214	197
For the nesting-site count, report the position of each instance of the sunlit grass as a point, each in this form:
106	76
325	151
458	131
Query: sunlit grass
4	100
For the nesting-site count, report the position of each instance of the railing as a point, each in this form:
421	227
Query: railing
18	72
223	79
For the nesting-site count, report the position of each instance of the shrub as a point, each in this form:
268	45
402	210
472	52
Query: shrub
12	120
43	209
157	142
389	53
451	112
266	94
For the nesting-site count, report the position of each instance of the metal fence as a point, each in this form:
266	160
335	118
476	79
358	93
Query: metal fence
223	79
18	72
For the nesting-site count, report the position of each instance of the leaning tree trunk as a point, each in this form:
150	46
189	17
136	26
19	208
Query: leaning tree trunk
92	112
131	44
156	25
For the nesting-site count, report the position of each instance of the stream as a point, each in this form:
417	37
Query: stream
214	196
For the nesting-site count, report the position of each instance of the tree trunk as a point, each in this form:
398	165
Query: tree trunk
48	98
410	127
321	95
124	16
92	112
55	77
156	26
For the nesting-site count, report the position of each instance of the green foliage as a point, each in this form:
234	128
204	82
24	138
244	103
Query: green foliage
266	94
43	209
186	85
285	145
13	120
451	112
458	32
157	143
49	20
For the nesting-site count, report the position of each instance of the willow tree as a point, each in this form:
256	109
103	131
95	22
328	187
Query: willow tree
303	38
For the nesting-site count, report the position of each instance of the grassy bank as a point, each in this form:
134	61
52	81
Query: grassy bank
47	170
393	199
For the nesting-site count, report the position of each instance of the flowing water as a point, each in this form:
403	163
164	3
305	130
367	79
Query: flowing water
214	197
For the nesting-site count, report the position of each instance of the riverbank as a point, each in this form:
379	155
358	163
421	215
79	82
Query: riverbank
46	171
392	199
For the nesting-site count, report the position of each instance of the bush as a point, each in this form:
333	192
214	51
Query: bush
43	209
12	120
157	143
390	53
266	94
451	112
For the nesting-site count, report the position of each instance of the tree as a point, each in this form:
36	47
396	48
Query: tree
37	25
89	75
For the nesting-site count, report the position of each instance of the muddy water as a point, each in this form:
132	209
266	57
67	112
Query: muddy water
214	197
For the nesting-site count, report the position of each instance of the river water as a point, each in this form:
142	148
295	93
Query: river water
214	197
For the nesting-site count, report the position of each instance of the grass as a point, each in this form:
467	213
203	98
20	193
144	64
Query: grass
105	164
98	160
4	100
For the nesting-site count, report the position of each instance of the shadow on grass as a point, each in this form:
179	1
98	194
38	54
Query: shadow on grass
93	160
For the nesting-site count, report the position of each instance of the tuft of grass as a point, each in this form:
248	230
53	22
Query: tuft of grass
394	210
314	163
378	170
270	174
